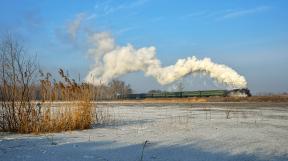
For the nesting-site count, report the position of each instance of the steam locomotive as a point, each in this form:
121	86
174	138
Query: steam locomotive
208	93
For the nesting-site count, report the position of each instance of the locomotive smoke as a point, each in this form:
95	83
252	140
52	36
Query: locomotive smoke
112	61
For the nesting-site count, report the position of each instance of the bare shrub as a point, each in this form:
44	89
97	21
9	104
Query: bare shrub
207	109
16	85
227	113
20	113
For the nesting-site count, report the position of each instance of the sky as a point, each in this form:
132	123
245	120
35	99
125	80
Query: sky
250	36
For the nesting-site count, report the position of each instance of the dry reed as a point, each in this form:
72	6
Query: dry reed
74	112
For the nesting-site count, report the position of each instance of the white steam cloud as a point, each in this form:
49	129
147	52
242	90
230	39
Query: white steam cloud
112	61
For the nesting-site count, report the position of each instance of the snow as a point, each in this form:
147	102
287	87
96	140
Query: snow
190	132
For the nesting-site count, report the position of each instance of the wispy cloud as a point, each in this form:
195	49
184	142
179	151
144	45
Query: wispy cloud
74	26
245	12
225	14
92	16
108	7
124	30
137	3
195	14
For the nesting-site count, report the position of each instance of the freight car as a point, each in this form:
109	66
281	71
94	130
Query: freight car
208	93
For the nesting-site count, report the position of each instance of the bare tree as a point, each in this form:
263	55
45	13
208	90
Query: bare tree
118	89
17	74
115	89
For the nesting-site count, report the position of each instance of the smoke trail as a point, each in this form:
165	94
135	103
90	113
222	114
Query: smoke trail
112	61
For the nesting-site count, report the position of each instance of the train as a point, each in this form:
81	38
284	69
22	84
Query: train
184	94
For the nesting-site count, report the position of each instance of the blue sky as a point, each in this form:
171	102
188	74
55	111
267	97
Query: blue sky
250	36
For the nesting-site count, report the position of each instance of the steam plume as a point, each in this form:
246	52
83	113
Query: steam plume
112	61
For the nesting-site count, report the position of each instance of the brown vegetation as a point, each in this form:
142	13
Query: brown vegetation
275	98
272	98
77	114
16	86
19	85
159	100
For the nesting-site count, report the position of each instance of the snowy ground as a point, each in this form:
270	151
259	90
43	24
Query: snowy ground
200	132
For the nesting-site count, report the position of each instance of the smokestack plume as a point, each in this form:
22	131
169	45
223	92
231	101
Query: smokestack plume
112	61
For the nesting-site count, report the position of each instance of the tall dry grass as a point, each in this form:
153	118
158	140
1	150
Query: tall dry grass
75	111
21	85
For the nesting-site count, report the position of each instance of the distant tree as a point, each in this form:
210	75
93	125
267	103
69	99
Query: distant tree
127	90
118	89
154	91
180	87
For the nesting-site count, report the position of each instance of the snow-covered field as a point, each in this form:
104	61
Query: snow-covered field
200	132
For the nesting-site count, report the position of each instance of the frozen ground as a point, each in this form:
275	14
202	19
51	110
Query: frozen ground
200	132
